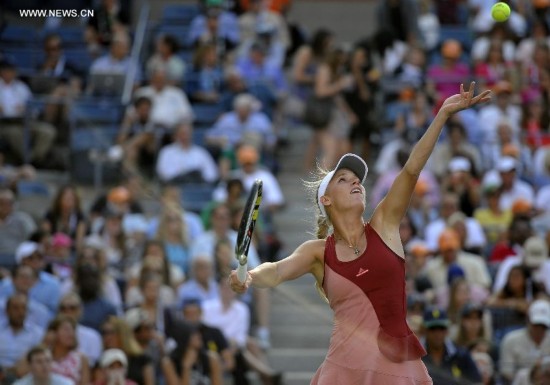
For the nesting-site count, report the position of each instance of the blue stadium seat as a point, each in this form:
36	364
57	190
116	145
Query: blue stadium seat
71	36
187	56
98	136
79	58
25	59
19	35
180	32
199	135
7	261
206	114
179	13
96	112
460	33
32	187
195	197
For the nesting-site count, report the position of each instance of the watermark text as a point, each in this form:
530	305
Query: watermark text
56	13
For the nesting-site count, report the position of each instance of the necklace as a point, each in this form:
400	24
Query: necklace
355	248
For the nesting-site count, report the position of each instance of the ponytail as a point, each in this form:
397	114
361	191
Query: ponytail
321	232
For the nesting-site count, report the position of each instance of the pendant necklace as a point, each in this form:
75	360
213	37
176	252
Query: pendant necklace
355	248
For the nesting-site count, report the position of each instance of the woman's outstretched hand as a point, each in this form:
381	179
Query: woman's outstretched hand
465	99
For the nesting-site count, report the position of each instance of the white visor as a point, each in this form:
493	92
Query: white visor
351	162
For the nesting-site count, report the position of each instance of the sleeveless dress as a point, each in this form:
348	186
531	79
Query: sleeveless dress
371	343
69	366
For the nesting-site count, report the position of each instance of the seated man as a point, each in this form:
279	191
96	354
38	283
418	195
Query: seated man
14	95
39	360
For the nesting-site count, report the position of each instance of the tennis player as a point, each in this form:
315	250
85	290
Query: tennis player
360	267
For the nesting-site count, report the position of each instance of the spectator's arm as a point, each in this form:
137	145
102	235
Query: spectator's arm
299	73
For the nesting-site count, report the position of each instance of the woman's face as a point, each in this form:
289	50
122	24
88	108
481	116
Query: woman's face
462	294
174	223
68	199
516	281
65	335
155	250
345	191
111	340
472	323
151	290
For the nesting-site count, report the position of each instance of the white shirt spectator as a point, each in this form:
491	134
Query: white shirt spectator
107	64
473	265
542	200
234	322
175	160
14	346
89	343
170	105
490	116
542	274
518	351
230	127
37	313
520	189
540	160
475	237
13	97
55	379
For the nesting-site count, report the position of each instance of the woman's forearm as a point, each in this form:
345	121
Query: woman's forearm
264	276
425	146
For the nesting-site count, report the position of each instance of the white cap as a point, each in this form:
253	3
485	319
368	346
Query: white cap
24	250
535	252
539	312
111	356
459	163
506	164
349	161
491	180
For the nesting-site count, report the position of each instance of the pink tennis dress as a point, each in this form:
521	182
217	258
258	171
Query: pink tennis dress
371	343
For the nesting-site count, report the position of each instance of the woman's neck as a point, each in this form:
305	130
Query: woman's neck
349	231
59	352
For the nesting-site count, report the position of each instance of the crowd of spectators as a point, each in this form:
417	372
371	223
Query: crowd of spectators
112	293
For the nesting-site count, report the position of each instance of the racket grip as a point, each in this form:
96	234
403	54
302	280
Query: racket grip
242	273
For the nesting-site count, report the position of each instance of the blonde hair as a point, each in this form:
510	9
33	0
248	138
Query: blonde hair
128	343
172	209
322	223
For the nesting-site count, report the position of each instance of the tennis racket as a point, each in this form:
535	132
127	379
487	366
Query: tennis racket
246	228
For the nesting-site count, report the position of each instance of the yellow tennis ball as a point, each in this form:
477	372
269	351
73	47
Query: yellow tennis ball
500	12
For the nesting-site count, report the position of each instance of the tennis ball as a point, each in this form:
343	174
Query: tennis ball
500	12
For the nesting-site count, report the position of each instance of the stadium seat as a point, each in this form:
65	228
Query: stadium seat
206	114
179	13
19	36
71	36
462	34
195	197
180	32
95	112
32	187
7	261
80	58
25	59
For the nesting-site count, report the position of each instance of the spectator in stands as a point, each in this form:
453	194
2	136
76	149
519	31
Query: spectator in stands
138	135
14	95
118	60
232	317
185	162
124	198
208	87
447	76
541	167
490	216
15	227
460	179
192	361
257	14
512	187
266	34
446	362
250	170
212	338
475	238
66	216
474	324
401	17
538	373
508	32
173	234
215	26
534	257
46	289
245	118
170	104
429	24
491	115
89	340
493	67
152	305
24	278
117	335
450	253
67	360
165	56
17	336
202	284
39	360
114	368
522	348
95	309
150	269
540	34
110	18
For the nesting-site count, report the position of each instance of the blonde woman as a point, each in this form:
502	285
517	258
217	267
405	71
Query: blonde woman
118	335
172	232
360	267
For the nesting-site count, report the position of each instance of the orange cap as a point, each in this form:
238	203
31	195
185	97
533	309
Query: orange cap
247	154
419	250
449	240
502	87
119	195
421	187
451	49
521	206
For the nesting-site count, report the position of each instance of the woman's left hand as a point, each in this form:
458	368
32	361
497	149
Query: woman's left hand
465	99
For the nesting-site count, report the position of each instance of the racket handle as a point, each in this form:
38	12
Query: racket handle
242	273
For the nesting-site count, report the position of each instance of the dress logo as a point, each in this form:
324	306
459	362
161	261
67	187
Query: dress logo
361	272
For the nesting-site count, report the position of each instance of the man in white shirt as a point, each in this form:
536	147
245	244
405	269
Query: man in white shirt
39	359
512	187
117	61
14	95
522	348
170	104
182	160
